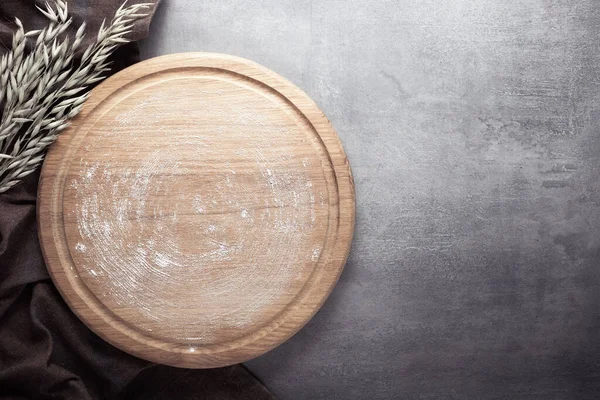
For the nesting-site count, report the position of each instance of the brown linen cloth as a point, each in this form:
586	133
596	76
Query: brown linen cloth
45	351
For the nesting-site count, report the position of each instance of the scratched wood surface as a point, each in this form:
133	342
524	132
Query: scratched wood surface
198	212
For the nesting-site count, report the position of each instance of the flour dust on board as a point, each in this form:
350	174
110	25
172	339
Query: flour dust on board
211	222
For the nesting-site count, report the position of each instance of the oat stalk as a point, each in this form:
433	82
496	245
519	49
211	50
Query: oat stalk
42	90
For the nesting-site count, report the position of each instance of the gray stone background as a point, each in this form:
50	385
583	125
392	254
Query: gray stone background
472	130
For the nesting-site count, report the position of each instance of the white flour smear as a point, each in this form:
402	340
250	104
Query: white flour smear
177	227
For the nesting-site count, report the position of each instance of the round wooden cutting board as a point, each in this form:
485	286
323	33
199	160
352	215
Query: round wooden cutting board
198	212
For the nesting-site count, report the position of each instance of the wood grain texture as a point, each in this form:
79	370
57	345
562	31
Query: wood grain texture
198	212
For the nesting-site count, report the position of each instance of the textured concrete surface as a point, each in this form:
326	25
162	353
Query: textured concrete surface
472	130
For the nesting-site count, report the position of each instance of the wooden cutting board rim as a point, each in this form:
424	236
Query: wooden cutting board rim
117	331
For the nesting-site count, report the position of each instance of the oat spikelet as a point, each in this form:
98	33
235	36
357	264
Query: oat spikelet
42	90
